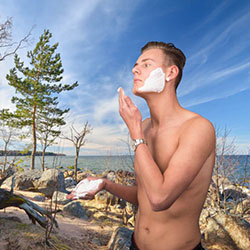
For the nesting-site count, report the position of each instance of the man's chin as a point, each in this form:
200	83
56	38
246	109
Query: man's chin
139	93
136	92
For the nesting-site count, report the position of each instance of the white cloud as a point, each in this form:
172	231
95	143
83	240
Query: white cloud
208	98
229	71
91	22
5	98
216	38
105	109
219	54
103	138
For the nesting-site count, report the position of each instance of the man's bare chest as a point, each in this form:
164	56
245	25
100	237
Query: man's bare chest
162	145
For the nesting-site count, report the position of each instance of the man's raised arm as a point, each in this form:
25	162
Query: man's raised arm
195	146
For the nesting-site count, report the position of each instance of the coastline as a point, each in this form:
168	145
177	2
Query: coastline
105	214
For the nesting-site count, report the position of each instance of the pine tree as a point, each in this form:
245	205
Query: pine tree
38	87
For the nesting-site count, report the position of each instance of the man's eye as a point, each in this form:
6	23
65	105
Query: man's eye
146	65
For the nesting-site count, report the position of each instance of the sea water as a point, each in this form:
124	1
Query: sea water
98	164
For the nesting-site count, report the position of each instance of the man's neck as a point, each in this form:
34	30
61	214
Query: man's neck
164	108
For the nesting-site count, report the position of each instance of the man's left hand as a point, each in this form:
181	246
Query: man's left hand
131	115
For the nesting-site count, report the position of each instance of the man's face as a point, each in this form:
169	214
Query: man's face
150	60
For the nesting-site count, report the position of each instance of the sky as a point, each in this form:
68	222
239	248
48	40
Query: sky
100	41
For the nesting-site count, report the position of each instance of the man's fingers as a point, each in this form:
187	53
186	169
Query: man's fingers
128	101
122	103
123	99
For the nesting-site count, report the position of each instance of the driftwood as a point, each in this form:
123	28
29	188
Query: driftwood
34	212
229	228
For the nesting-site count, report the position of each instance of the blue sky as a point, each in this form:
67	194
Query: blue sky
100	40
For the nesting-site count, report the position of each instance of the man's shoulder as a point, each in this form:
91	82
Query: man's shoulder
198	125
195	121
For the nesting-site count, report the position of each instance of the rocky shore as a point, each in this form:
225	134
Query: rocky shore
107	222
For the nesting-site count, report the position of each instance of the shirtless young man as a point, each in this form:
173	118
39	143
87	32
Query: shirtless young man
173	169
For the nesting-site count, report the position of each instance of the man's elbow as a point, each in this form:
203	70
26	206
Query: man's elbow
159	204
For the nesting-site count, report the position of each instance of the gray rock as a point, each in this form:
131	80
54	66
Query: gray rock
102	196
111	176
60	197
74	208
233	194
97	241
50	181
121	239
24	180
39	198
69	182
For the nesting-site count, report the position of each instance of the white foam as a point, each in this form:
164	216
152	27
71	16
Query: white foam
120	89
155	82
85	186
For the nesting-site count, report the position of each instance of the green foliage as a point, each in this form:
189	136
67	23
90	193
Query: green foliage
8	119
37	88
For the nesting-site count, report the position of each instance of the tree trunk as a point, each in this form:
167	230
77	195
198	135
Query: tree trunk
217	185
5	157
43	160
33	154
76	161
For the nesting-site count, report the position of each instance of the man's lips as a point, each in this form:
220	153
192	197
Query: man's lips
137	80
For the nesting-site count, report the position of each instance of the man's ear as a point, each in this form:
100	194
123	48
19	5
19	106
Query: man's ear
171	73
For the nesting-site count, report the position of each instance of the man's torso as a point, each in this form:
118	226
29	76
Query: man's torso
177	227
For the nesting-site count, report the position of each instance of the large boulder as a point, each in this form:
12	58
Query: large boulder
234	194
74	208
25	180
121	239
60	198
50	181
227	232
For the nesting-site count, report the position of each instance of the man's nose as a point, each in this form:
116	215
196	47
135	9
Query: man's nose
136	70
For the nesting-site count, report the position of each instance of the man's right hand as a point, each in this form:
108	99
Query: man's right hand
87	188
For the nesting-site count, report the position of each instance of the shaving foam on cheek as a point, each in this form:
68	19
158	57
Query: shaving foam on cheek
155	82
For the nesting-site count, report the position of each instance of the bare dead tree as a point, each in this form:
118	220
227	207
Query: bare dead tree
8	134
78	139
6	137
130	162
226	171
7	46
